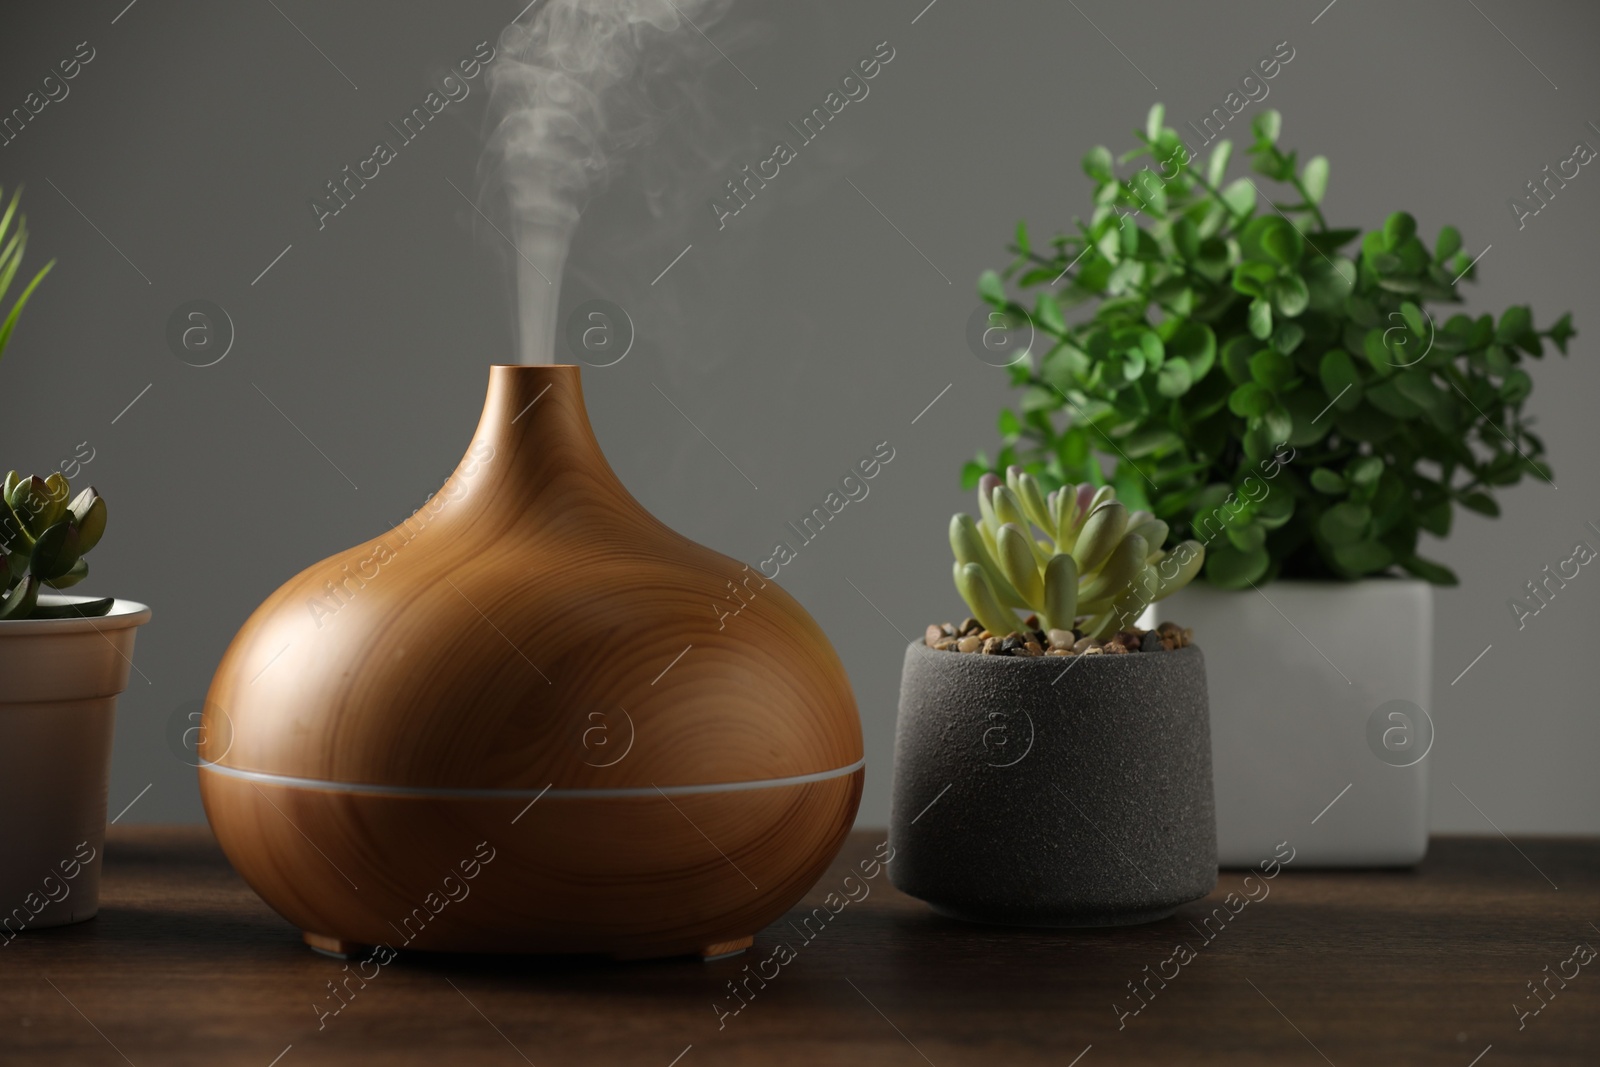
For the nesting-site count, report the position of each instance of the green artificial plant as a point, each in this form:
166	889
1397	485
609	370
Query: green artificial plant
1272	387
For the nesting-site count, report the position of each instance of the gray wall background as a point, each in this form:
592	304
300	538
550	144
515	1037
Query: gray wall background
798	337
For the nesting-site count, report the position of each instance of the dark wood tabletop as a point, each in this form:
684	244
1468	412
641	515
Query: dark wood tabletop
185	965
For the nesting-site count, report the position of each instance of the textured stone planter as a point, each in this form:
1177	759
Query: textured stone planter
1053	791
59	680
1319	690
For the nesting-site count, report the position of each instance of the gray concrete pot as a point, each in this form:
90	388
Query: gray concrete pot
1053	791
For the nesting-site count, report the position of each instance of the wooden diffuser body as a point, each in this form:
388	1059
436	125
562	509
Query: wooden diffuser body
532	718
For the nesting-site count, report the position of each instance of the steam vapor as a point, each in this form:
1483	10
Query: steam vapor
578	85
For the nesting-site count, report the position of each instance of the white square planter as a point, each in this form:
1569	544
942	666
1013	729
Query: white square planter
1299	675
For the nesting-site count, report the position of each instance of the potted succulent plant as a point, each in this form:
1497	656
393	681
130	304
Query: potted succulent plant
1278	390
1056	770
63	659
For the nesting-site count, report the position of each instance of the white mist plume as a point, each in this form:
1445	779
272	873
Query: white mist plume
576	86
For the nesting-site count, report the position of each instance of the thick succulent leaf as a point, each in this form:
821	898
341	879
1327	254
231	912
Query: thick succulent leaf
968	544
87	609
1061	591
979	595
56	550
79	571
89	509
21	601
1102	531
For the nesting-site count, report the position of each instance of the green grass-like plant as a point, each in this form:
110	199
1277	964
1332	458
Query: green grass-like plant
1232	332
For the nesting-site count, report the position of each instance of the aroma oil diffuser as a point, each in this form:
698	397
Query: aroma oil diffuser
532	718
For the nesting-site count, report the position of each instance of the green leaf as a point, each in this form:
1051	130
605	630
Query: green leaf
1282	242
1254	278
1362	557
1236	355
1250	400
1286	337
89	509
1277	423
1240	196
1365	470
1344	523
1048	314
1229	567
1174	378
1515	323
1562	332
1154	121
1329	282
1291	295
1267	125
1217	165
1398	228
86	609
1246	536
1482	503
1315	178
1275	509
1387	398
56	550
991	288
1260	319
1324	480
1097	164
19	604
1340	379
1195	343
1429	571
1449	244
1272	369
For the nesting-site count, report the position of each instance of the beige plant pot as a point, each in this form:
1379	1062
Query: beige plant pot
59	680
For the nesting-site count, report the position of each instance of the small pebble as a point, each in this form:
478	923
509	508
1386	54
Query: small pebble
932	635
948	629
991	646
1093	650
1062	638
1010	643
969	625
970	643
1032	622
1059	652
1151	642
1084	644
946	644
1034	648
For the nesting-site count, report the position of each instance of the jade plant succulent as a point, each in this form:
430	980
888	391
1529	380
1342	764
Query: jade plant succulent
1096	561
43	539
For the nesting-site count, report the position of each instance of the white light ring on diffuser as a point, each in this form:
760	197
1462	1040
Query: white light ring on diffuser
454	792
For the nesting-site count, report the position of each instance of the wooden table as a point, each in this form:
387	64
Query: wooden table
184	965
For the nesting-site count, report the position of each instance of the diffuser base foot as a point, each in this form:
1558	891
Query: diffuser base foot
337	947
724	949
